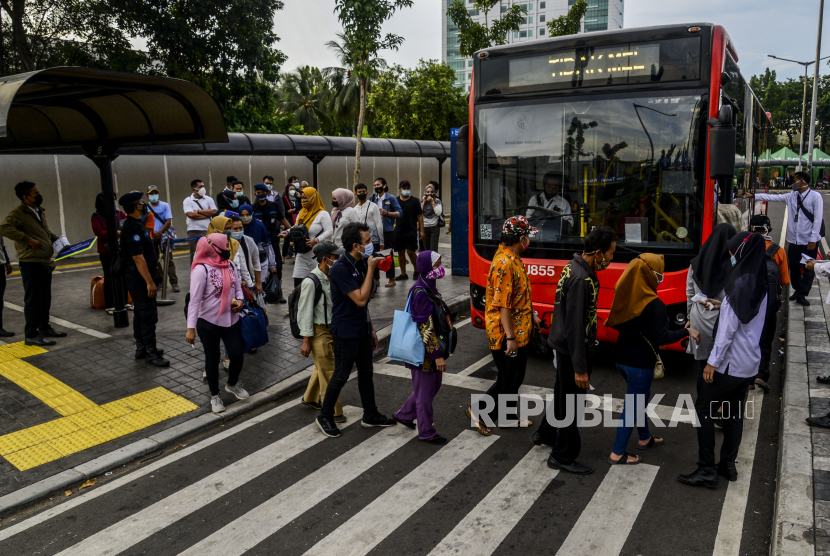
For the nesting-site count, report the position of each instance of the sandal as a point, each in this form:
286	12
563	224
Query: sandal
652	443
480	427
625	459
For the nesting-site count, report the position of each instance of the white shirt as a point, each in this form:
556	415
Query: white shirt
192	204
368	213
347	216
36	211
737	344
322	229
823	269
558	204
803	231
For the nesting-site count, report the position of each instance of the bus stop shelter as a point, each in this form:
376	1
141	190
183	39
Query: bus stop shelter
99	112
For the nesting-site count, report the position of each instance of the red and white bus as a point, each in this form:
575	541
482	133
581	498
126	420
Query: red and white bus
622	119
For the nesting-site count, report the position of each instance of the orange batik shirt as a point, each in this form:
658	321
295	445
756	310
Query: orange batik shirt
508	286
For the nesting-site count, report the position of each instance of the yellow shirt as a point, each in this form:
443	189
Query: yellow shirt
508	286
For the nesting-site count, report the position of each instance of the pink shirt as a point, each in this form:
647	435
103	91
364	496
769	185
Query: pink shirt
205	293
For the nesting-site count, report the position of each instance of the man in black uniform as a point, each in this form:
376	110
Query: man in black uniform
271	214
139	261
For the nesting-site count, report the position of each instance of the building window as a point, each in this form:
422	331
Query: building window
524	6
530	32
515	35
530	20
522	34
504	9
541	5
530	6
541	19
473	12
469	63
541	31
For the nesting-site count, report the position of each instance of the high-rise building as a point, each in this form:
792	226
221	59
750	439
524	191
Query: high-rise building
601	15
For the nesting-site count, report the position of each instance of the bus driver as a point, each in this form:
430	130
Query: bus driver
557	207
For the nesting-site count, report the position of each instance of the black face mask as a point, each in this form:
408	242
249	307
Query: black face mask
38	199
335	204
261	198
378	190
361	196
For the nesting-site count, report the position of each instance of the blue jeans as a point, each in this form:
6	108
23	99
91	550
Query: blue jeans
639	382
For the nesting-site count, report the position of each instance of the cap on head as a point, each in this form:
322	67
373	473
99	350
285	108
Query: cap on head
152	189
261	187
405	184
130	198
760	221
518	226
326	248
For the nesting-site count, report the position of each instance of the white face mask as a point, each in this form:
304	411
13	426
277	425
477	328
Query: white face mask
202	192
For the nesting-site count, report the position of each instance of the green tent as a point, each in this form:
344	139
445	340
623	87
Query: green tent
785	154
817	155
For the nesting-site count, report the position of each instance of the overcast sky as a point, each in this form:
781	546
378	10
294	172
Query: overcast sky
758	27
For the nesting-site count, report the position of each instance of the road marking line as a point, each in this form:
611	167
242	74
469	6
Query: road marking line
608	518
664	412
821	463
266	519
390	510
65	324
137	474
730	528
483	529
476	366
464	322
152	519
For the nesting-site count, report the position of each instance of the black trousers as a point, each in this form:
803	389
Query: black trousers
350	352
145	312
565	440
801	279
767	337
511	374
389	243
210	335
2	292
729	393
37	296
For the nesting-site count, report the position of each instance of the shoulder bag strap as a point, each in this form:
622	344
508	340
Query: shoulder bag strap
810	216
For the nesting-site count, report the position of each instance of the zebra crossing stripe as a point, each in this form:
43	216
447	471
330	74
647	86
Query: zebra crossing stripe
608	518
483	529
730	527
476	366
375	522
152	519
266	519
146	470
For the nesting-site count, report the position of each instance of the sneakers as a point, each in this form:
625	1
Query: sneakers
312	405
129	307
39	341
762	384
237	391
378	421
216	404
339	418
327	427
176	288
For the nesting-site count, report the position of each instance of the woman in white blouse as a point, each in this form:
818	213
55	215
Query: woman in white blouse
433	209
314	216
344	213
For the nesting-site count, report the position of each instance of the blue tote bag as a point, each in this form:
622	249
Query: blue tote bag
406	343
254	330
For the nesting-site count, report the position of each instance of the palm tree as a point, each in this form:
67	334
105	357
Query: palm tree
306	95
345	85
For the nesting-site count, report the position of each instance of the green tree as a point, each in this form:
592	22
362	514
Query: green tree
36	34
570	23
362	21
420	103
473	36
305	95
227	47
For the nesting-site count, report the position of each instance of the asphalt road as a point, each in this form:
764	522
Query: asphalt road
272	484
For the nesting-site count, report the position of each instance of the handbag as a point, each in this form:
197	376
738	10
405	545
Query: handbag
659	369
406	343
253	328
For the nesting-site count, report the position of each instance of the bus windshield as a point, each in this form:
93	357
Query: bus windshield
631	163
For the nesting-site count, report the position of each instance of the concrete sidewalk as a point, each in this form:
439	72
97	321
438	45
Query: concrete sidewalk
801	524
63	411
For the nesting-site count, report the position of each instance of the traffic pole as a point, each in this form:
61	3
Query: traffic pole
815	93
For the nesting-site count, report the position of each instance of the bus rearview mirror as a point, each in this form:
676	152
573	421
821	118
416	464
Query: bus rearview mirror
722	145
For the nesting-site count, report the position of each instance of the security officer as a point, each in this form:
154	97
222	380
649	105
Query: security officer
140	264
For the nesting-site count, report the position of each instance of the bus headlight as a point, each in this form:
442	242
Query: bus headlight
677	315
477	296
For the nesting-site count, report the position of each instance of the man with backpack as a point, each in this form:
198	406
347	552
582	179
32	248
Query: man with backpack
309	312
777	278
805	224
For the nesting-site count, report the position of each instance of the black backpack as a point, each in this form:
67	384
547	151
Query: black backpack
446	333
773	280
298	235
294	304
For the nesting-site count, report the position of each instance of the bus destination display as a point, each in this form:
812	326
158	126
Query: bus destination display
611	65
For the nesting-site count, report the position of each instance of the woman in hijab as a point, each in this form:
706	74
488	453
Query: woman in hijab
222	225
640	317
319	224
257	231
291	202
733	363
426	378
706	278
215	300
99	228
343	202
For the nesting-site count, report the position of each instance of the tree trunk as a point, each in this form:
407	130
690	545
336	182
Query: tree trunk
359	134
19	33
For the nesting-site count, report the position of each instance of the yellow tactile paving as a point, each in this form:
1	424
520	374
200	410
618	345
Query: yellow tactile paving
84	424
34	456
